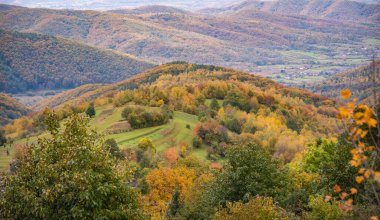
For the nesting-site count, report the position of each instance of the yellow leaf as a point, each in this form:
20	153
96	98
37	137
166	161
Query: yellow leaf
343	113
367	173
359	179
354	163
372	123
346	94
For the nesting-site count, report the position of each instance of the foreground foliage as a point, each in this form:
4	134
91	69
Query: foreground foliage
69	176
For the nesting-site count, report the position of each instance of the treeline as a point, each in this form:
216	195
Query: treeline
30	61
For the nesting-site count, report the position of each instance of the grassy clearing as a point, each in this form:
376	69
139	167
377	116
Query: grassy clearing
164	136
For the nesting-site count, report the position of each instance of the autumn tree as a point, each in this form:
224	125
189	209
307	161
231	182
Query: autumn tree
70	175
163	184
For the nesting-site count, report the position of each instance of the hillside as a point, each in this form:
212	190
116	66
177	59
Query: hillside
358	80
192	89
30	61
89	93
10	109
327	9
244	43
150	9
206	134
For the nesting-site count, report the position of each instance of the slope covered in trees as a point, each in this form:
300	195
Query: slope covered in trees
362	81
242	42
195	142
30	61
10	109
328	9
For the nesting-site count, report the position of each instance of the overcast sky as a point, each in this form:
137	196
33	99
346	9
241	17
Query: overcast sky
112	4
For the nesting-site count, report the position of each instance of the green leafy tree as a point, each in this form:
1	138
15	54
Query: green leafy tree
90	111
214	105
3	139
69	176
250	171
331	161
174	204
114	149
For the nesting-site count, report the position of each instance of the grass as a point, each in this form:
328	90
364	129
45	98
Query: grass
164	136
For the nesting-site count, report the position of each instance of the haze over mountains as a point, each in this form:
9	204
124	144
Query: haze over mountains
326	9
110	4
291	47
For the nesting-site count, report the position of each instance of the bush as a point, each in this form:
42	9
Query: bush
141	118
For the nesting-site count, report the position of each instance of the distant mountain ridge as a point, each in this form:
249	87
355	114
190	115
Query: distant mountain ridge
237	42
328	9
30	61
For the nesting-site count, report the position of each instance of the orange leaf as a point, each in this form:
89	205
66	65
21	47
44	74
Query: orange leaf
353	191
346	93
337	189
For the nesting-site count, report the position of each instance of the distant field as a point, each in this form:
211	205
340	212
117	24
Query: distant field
164	136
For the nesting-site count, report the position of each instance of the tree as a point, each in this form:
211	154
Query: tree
258	208
72	176
145	152
3	139
250	171
214	105
163	184
114	149
90	111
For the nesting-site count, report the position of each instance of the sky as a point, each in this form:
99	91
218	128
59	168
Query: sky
113	4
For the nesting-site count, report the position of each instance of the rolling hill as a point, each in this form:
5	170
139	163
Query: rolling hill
327	9
188	90
30	61
358	80
10	109
90	93
261	42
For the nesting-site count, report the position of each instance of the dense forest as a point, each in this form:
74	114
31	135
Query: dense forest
248	149
30	61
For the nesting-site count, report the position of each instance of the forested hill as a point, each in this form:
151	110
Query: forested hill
246	42
205	74
10	109
30	61
358	80
326	9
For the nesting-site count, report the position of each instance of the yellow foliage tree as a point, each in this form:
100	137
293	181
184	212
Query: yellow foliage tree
162	183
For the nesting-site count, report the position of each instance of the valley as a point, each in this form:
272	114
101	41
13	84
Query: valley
212	110
295	50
